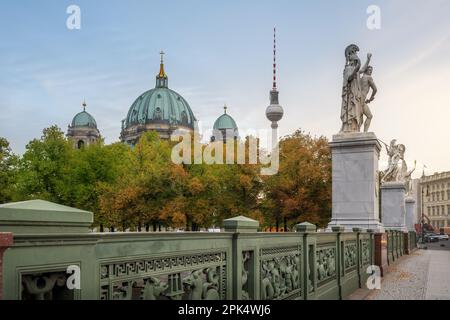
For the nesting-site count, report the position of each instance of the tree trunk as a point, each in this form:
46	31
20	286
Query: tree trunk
188	224
101	227
154	226
277	225
285	224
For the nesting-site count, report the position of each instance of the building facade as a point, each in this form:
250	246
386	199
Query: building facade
434	190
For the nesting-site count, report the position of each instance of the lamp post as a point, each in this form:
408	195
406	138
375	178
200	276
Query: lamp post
423	209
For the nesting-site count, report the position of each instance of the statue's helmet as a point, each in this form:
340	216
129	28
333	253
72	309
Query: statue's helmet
350	51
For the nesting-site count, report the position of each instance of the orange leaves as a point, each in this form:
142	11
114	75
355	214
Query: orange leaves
302	188
196	186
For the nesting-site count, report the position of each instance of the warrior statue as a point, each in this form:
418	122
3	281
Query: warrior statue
397	170
355	88
394	151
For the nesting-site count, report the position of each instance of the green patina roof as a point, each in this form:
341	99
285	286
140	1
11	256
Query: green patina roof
160	105
84	119
225	122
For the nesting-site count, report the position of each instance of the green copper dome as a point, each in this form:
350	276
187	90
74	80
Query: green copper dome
84	119
225	122
160	105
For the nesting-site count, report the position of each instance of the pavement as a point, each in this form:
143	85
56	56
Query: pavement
422	275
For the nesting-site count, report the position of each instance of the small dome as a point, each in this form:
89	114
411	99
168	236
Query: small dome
224	126
84	119
225	122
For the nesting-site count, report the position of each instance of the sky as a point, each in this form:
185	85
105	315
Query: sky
220	52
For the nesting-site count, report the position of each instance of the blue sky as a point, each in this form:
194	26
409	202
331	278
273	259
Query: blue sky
219	52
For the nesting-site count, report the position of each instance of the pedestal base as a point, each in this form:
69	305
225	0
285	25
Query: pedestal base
393	206
410	205
355	181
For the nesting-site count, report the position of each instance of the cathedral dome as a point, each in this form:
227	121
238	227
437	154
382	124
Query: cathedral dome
160	109
225	122
83	119
160	106
223	126
83	130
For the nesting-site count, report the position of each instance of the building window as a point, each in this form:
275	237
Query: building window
442	210
432	197
429	210
437	196
448	209
80	144
442	195
434	211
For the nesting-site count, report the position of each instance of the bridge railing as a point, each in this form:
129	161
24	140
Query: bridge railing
56	256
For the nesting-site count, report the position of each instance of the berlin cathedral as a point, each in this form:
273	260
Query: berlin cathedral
159	109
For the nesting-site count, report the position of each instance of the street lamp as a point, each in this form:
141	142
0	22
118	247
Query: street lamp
423	209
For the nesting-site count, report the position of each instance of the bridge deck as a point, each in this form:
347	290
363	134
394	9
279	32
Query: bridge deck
423	275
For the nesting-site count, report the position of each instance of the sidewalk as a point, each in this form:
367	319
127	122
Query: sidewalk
423	275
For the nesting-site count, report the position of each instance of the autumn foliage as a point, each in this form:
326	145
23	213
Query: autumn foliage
140	188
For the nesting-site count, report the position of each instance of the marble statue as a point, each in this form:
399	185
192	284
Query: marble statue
397	170
367	83
393	171
408	178
357	82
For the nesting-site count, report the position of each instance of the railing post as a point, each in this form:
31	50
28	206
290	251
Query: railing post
309	285
340	270
6	241
241	277
406	242
359	251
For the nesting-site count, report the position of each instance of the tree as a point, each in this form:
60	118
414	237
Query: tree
143	186
301	191
8	171
43	167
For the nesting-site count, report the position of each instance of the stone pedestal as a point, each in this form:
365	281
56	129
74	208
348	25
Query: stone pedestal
410	206
355	181
393	209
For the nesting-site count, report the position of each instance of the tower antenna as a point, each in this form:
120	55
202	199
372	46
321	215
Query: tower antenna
274	59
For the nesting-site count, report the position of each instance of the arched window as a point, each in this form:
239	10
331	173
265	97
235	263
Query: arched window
80	144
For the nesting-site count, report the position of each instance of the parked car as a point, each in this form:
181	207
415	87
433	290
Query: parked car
431	237
443	237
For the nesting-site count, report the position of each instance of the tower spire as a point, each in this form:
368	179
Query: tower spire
274	91
161	78
84	104
274	60
161	66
